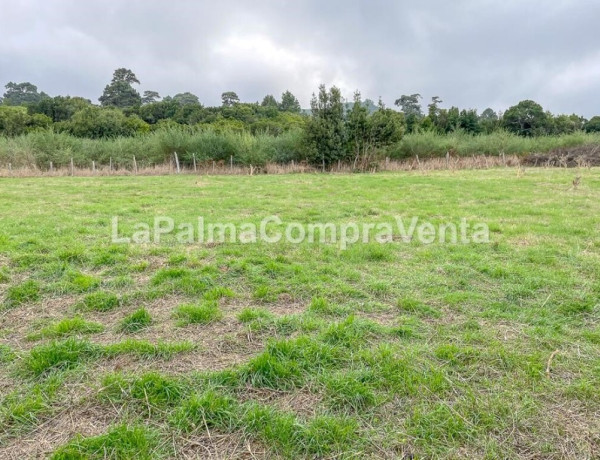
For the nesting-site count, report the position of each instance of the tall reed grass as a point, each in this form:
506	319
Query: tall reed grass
42	148
430	144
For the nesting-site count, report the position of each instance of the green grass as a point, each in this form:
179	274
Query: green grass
149	389
25	407
138	320
7	354
205	313
100	301
38	148
304	350
29	291
59	356
119	442
67	327
62	355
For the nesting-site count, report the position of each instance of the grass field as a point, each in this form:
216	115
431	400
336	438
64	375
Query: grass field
399	350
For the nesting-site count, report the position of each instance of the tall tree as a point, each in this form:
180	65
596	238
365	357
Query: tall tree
22	94
411	107
125	75
593	126
326	131
289	103
230	98
410	104
186	98
488	120
358	129
269	101
527	118
150	97
433	109
120	92
469	121
60	108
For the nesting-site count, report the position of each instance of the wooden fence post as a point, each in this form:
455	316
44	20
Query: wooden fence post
231	162
72	167
194	157
135	168
110	166
93	167
51	167
177	162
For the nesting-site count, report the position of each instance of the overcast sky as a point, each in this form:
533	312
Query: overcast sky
471	53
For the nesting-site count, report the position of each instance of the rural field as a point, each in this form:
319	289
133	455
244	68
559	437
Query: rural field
282	350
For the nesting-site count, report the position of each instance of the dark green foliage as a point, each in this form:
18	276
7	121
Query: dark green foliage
527	118
97	123
60	108
229	99
289	103
411	108
186	99
593	126
326	132
15	121
22	94
361	134
120	92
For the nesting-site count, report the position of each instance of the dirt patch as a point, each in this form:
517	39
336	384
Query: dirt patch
87	419
214	445
569	157
301	402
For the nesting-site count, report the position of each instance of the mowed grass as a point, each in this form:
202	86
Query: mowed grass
397	350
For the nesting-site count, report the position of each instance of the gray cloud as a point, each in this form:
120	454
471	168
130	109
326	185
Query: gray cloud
472	53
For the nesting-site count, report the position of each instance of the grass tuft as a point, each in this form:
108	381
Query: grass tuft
68	327
29	291
138	320
210	409
349	391
59	356
120	442
205	313
7	354
249	315
100	301
151	389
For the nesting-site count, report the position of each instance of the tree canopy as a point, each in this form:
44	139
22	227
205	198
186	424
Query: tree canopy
120	92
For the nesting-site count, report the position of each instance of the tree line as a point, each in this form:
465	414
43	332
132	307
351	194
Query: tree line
333	129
